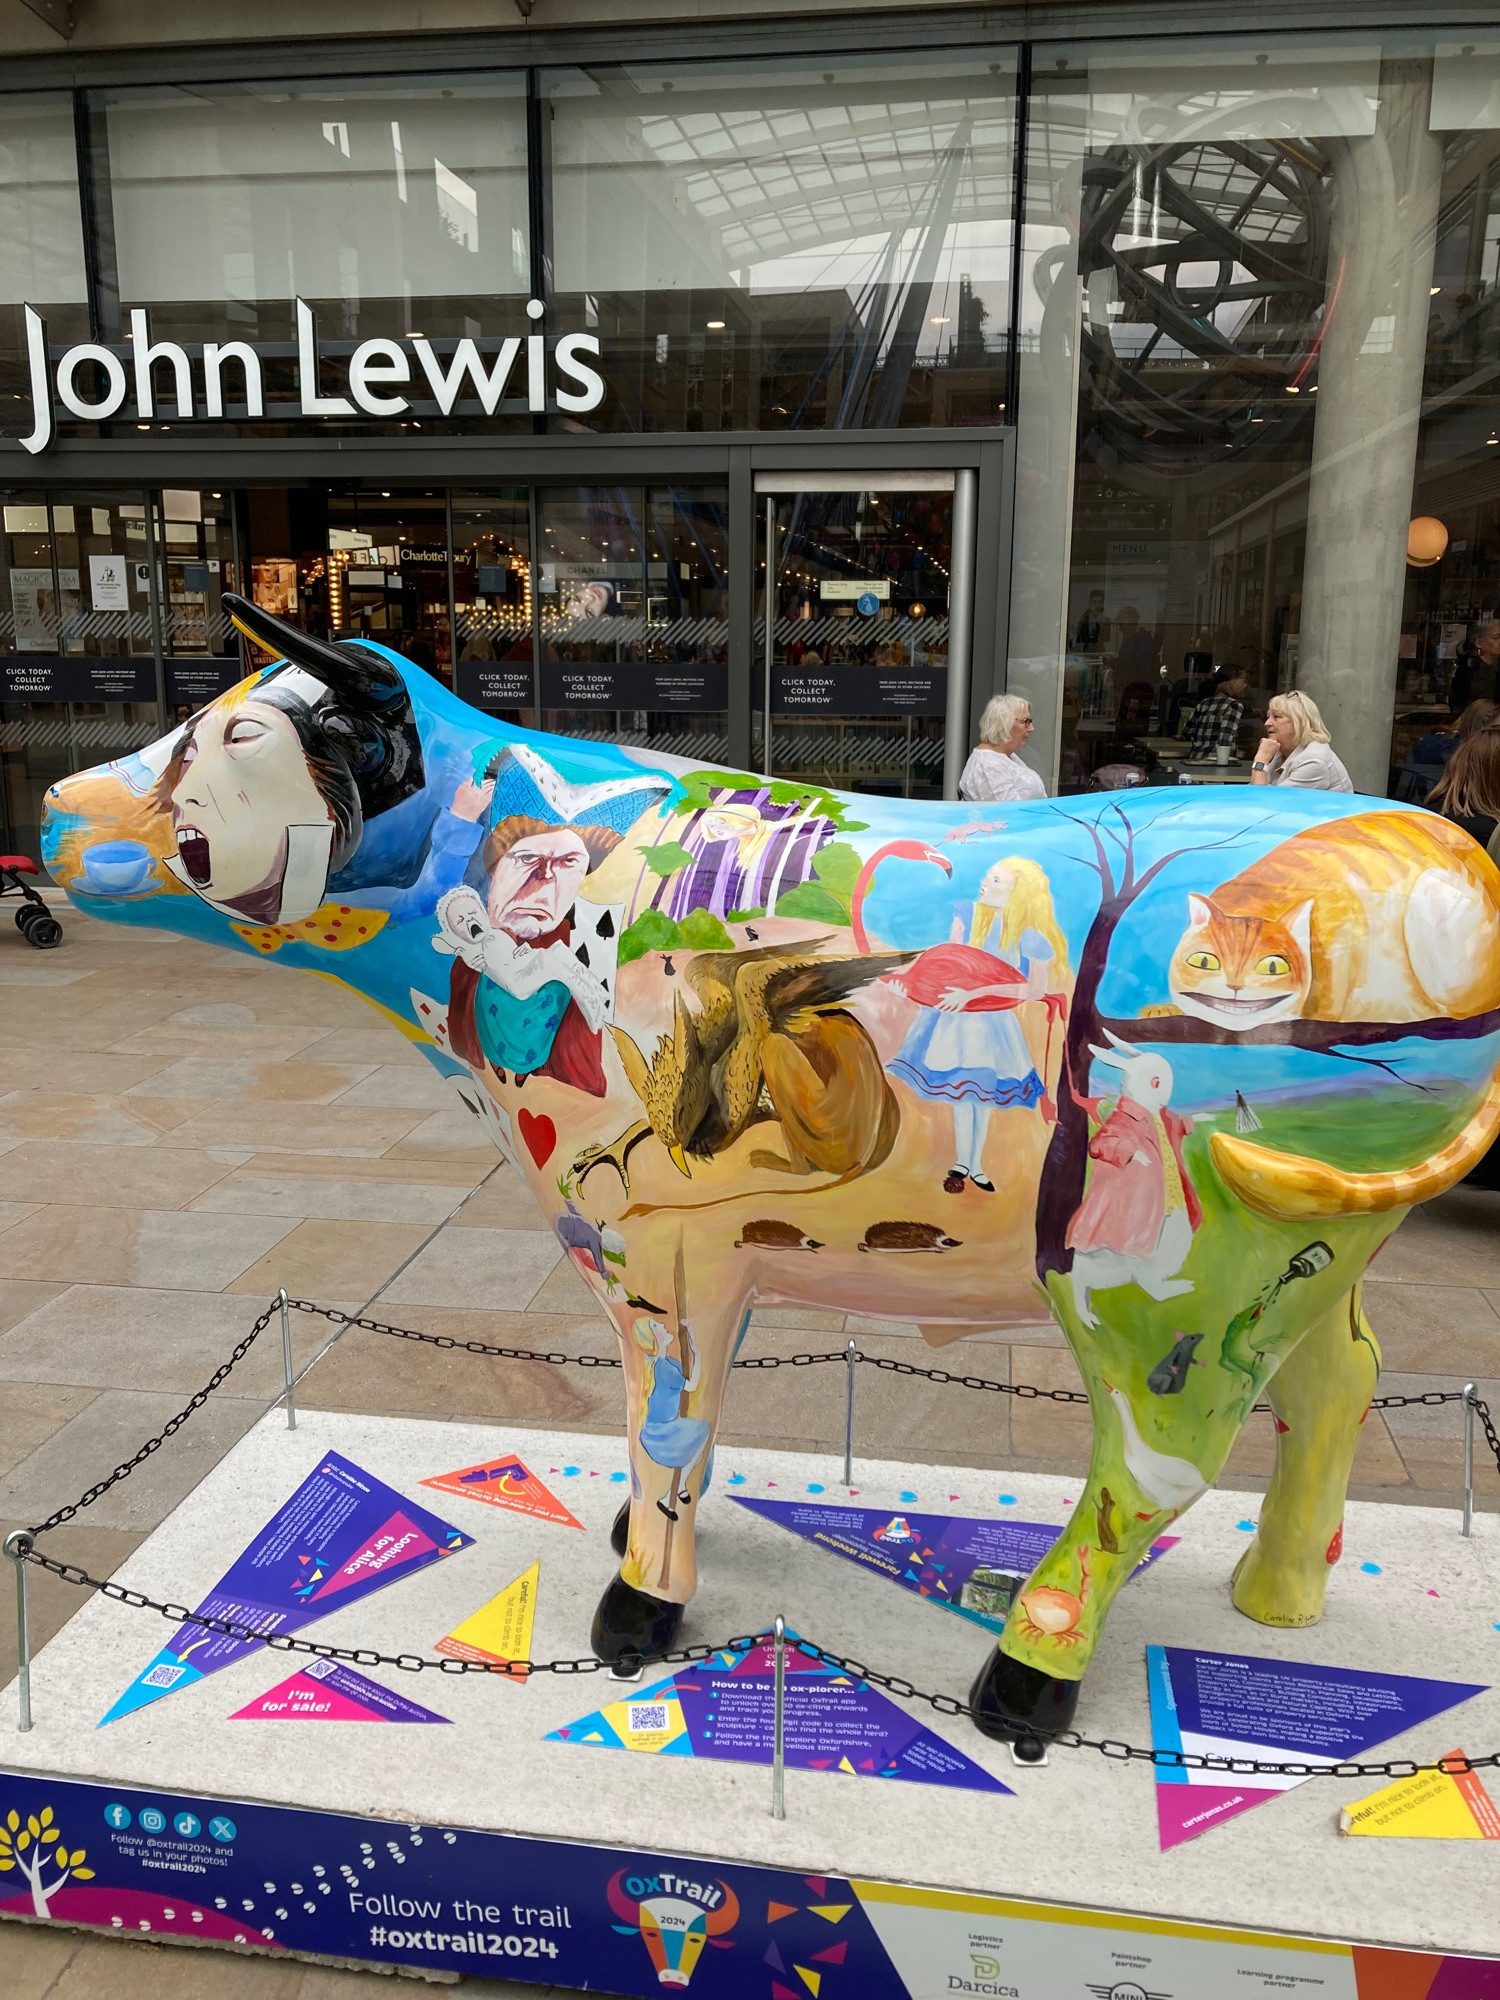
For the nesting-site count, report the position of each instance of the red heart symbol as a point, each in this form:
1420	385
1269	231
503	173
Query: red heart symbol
539	1135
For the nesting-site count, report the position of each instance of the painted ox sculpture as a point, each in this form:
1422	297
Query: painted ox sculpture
1166	1071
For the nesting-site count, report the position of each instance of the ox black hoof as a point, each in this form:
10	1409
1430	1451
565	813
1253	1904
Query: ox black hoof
630	1625
1018	1704
619	1534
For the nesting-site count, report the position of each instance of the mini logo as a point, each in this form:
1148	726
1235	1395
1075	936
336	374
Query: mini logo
1126	1989
986	1965
117	1816
188	1825
222	1828
152	1821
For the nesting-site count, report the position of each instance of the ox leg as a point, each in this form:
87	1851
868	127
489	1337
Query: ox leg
1152	1456
673	1403
1321	1396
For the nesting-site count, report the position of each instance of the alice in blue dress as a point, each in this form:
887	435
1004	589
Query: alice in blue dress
976	1058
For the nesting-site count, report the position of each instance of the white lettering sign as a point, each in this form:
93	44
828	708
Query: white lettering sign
91	382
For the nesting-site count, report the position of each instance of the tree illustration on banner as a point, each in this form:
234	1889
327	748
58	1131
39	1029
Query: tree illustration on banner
33	1844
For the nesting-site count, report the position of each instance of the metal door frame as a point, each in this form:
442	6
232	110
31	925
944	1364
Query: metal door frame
983	483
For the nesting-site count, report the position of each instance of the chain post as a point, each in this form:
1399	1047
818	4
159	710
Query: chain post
1470	1391
18	1546
778	1738
851	1360
286	1361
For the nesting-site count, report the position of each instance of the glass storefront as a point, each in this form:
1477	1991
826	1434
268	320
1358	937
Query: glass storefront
1226	391
1259	308
789	245
859	639
631	588
77	643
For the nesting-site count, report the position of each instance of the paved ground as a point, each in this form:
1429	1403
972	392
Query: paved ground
182	1132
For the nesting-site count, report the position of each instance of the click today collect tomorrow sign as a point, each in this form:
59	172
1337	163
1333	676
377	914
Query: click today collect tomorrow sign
557	372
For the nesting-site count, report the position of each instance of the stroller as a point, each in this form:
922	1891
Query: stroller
34	920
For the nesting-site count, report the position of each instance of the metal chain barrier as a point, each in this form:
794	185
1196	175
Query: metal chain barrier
896	1684
215	1381
852	1356
21	1549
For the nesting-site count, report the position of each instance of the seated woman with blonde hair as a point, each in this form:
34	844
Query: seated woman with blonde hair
994	773
1297	749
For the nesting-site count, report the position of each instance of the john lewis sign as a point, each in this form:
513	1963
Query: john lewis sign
557	374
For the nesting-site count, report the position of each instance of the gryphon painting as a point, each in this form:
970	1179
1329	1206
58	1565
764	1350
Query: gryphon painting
1164	1068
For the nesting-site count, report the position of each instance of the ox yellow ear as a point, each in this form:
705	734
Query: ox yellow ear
1288	1186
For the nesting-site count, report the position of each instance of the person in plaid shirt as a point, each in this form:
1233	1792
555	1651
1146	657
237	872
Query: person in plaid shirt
1217	720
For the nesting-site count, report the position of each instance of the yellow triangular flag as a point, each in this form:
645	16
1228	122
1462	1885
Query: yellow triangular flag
499	1631
1434	1805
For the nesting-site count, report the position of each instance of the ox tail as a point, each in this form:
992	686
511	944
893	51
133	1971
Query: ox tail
1289	1186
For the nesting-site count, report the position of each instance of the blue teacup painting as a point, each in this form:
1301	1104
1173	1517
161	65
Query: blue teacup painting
116	867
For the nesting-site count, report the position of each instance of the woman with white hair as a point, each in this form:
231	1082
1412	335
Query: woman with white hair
1297	749
994	773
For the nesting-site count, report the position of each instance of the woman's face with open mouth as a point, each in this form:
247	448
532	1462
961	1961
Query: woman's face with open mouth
244	781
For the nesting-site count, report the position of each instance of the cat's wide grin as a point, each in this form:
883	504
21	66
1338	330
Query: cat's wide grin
1209	1004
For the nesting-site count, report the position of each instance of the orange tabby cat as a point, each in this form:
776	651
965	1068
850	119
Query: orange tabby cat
1369	918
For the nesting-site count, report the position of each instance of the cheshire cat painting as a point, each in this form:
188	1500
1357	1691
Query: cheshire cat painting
1164	1068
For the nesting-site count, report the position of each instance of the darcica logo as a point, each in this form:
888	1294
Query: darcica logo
33	1846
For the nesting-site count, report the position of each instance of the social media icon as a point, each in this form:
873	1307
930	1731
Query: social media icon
222	1828
188	1825
117	1816
153	1821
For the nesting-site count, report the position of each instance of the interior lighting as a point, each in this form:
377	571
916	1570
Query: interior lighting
1426	539
715	326
1292	389
940	319
1433	291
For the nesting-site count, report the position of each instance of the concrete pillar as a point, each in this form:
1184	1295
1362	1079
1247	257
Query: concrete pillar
1369	405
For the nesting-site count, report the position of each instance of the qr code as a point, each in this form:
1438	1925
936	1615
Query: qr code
319	1670
163	1677
647	1715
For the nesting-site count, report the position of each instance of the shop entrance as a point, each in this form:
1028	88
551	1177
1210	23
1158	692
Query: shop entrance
867	598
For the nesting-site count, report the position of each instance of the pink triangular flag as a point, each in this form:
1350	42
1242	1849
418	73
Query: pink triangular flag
1185	1811
399	1540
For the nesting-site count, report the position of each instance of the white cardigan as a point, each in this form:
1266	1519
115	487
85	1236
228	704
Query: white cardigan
1313	766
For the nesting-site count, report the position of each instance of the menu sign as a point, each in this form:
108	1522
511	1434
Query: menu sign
55	677
695	688
856	690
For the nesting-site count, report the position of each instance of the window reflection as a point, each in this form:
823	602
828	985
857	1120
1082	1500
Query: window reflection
632	596
789	245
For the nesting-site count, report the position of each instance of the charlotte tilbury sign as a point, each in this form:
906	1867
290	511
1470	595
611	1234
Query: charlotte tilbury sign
383	379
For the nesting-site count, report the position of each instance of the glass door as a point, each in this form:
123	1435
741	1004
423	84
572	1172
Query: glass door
632	590
857	571
78	679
